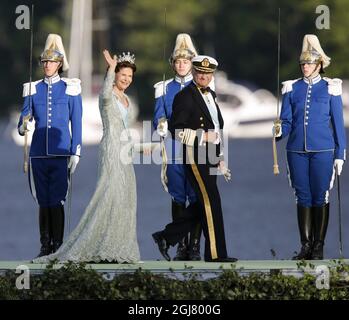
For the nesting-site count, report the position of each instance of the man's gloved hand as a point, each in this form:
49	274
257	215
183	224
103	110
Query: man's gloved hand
26	126
162	128
338	165
212	136
225	171
73	162
277	129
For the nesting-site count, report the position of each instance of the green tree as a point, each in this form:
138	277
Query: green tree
15	46
241	34
148	35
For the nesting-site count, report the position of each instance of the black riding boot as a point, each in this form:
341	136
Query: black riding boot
320	218
44	226
57	226
304	215
182	248
194	244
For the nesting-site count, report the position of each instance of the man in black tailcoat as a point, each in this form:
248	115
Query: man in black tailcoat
197	123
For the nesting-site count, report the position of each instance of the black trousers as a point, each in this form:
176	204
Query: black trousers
207	210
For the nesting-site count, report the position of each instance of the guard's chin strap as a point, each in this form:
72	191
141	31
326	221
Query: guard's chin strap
57	70
315	73
188	73
59	66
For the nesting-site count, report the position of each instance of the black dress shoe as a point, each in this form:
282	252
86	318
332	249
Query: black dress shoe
194	251
162	244
182	250
227	259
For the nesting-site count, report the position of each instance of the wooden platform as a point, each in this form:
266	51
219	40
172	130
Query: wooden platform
202	269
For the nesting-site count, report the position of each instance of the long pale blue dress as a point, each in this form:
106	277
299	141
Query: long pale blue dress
107	229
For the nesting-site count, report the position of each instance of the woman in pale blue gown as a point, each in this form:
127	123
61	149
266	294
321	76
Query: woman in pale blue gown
107	229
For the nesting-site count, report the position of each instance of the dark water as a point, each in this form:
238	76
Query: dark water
259	208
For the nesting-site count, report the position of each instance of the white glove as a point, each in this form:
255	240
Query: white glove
26	126
277	129
225	171
162	128
212	136
338	165
73	162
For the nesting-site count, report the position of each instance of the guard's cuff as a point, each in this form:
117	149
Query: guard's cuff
77	152
162	127
21	130
340	154
162	119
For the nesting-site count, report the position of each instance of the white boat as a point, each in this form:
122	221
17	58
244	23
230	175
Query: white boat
246	113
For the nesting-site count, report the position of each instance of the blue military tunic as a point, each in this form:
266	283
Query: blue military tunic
178	185
55	104
312	117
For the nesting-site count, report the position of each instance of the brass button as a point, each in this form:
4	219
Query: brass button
201	118
202	124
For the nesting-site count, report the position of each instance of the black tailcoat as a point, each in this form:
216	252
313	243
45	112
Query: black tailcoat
190	112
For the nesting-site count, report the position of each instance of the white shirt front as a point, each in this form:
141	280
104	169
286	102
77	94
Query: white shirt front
212	108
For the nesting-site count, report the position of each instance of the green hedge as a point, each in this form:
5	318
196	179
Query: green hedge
76	281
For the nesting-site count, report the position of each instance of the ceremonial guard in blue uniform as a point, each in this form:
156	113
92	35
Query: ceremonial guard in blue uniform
173	174
197	123
312	117
55	105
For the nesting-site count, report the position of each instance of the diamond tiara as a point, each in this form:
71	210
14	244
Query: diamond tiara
127	57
